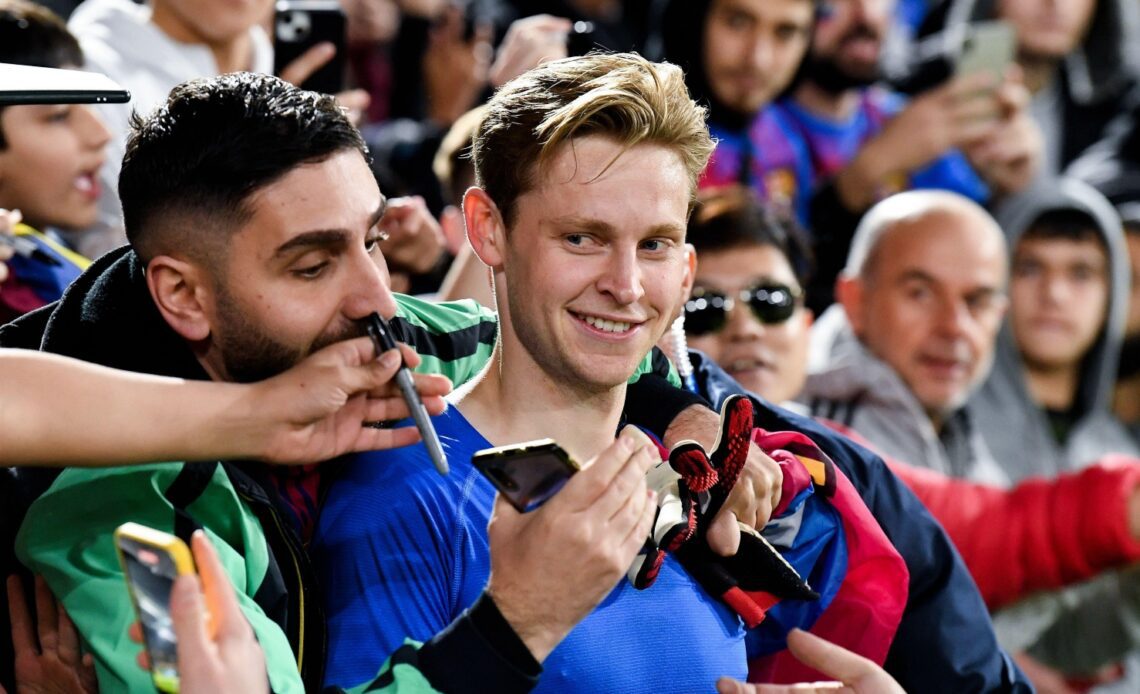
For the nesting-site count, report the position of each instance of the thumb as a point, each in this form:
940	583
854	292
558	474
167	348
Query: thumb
727	685
724	533
307	63
188	612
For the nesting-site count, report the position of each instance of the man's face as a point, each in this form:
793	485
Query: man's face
752	49
1058	299
215	21
768	359
1132	328
50	168
931	304
302	272
595	266
847	41
1049	29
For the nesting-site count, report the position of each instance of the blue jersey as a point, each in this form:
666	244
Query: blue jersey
403	550
768	156
831	145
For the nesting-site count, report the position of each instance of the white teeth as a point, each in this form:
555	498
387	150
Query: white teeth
85	183
607	325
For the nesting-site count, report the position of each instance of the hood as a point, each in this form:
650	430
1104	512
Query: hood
1014	217
682	32
107	317
1099	68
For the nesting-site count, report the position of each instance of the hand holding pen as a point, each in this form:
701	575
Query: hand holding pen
381	334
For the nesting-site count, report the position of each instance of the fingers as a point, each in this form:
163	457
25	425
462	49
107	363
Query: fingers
23	636
307	63
588	486
355	101
830	659
227	617
68	639
47	619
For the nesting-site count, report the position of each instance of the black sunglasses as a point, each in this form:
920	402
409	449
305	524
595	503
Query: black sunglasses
706	311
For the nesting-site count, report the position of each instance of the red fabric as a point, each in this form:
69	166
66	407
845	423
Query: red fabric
865	613
1039	535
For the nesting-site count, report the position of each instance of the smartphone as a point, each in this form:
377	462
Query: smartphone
23	84
298	25
987	47
151	561
527	474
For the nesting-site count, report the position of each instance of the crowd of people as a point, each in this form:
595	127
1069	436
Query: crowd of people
843	334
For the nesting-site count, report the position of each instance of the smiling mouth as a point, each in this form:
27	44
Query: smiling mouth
738	365
604	325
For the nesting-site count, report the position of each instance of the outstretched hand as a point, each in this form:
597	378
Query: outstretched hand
319	409
854	673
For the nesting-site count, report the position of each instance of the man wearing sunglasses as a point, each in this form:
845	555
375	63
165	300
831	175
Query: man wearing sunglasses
746	311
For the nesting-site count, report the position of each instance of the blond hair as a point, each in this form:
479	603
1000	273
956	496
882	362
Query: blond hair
618	95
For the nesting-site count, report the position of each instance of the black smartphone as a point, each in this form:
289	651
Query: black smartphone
151	561
298	25
527	474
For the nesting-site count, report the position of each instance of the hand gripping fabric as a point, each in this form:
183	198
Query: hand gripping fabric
756	577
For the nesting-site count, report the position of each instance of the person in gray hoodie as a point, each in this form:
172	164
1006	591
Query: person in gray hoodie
1046	407
920	303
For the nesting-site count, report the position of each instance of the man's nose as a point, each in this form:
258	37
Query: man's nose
368	290
621	278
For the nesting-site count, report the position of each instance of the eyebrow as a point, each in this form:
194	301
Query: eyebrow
600	227
324	238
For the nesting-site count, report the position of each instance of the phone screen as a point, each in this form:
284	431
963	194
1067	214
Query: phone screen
151	572
527	474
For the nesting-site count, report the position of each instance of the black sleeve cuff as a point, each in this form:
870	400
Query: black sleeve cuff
653	402
479	652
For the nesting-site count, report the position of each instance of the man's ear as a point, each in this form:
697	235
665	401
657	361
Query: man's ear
849	293
486	231
690	272
183	294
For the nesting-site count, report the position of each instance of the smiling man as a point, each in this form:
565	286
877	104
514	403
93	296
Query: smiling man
255	228
583	227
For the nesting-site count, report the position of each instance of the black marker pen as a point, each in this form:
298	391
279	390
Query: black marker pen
27	249
382	337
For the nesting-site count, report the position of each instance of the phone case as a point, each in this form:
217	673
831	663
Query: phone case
527	474
151	561
298	25
988	46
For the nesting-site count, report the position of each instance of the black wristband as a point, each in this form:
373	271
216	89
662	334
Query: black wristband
479	652
653	402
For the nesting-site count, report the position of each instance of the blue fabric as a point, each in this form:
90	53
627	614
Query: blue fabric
831	145
768	156
945	642
819	554
403	550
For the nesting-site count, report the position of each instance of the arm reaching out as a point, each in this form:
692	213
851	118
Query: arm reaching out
313	412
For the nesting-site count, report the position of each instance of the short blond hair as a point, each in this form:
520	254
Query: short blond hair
617	95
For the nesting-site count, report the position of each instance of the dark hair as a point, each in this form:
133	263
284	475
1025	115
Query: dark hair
733	217
1065	223
31	34
191	166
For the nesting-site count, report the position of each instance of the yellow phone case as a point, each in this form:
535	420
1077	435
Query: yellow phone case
183	563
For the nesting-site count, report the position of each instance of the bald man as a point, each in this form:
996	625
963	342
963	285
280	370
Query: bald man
920	304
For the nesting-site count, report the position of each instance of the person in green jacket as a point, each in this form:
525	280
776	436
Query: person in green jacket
255	227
